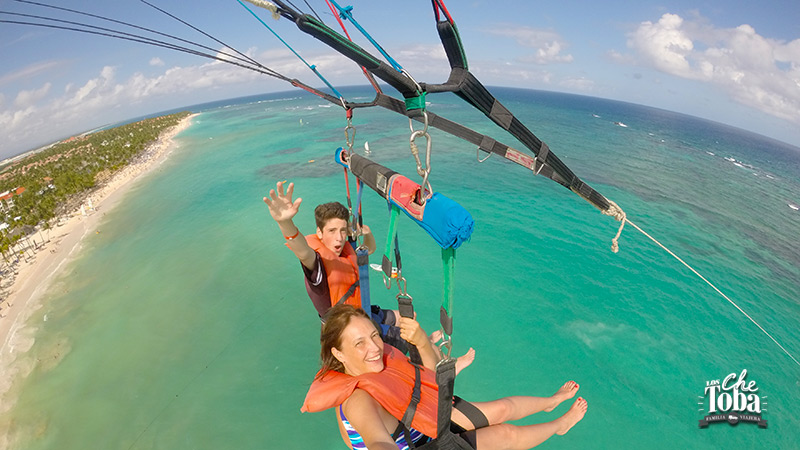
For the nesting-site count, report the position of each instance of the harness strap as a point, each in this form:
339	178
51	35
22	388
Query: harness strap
349	292
445	439
482	141
446	311
406	309
471	411
362	255
464	84
405	423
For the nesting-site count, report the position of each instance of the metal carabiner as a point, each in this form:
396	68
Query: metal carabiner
423	171
415	150
447	343
348	138
355	230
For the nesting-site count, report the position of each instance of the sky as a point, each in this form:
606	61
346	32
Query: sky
729	61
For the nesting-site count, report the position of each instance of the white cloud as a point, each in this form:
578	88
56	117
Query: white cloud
663	45
35	116
620	58
548	45
27	98
578	84
157	62
754	70
510	74
29	71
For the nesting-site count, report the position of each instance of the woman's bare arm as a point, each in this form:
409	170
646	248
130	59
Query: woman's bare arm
364	414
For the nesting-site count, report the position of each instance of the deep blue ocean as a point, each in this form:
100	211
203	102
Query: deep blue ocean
184	323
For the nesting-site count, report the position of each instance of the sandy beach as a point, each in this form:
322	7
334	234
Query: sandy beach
34	276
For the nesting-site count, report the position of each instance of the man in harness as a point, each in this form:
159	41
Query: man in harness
327	256
329	261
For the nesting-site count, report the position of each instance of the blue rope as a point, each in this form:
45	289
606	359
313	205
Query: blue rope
346	13
310	66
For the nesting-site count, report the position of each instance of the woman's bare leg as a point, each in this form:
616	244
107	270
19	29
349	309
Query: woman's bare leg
517	407
510	437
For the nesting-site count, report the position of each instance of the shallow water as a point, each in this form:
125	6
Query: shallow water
185	324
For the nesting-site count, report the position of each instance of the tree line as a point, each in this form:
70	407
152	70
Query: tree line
57	179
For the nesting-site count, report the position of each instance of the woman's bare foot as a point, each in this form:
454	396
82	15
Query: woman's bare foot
573	416
565	392
463	361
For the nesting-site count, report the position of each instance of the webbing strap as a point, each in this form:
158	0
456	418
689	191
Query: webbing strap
360	191
406	309
465	85
451	41
355	53
471	411
461	82
483	142
349	292
445	439
445	379
391	240
448	266
362	255
411	409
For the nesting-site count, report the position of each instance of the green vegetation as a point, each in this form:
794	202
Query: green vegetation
56	180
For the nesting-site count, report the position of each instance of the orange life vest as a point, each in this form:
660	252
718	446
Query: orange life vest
341	271
391	388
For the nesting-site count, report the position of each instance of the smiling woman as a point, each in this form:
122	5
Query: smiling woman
385	402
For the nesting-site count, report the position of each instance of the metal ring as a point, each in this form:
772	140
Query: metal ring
477	153
424	122
402	290
387	281
535	160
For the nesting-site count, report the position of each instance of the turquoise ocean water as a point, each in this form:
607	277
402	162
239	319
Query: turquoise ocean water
184	323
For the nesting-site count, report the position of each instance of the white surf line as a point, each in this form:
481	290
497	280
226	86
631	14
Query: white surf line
715	288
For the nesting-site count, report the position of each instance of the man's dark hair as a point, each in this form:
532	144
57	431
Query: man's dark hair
327	211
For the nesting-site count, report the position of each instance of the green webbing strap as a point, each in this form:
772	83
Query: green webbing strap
446	312
417	102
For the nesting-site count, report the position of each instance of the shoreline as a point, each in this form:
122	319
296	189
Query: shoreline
34	277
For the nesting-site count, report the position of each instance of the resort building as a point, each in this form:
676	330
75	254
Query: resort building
7	198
